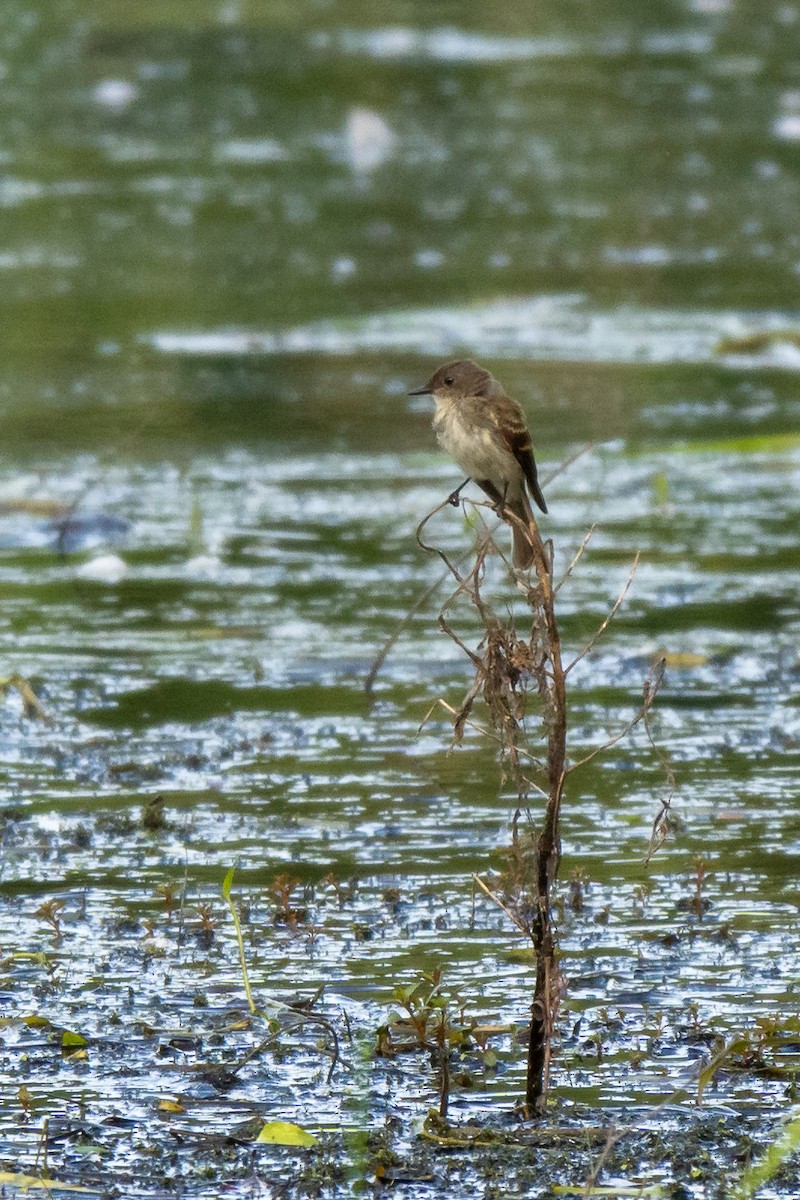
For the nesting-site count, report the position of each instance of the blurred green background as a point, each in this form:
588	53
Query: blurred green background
232	236
201	169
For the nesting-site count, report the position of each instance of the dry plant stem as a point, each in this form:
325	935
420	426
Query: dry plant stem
500	667
502	664
612	1137
513	918
454	713
653	682
661	819
614	609
391	641
386	648
545	997
435	549
578	555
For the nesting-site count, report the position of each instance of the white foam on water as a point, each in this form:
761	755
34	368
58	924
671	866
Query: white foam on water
561	328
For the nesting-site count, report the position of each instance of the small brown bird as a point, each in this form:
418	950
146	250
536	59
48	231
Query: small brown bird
484	430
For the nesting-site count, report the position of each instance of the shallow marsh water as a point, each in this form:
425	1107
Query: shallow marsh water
230	245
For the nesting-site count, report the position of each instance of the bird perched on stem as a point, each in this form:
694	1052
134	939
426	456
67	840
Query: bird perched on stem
484	430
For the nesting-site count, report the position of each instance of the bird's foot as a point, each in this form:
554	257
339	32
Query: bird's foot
455	497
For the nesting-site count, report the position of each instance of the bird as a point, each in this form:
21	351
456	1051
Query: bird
484	430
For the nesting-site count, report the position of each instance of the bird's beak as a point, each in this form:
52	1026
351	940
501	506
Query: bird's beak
425	390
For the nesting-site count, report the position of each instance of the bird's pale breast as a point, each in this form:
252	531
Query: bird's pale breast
474	447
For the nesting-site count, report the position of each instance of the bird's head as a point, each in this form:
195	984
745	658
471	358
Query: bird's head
455	380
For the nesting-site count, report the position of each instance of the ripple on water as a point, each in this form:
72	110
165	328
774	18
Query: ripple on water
561	328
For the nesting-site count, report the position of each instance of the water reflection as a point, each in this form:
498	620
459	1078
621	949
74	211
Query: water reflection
160	174
231	239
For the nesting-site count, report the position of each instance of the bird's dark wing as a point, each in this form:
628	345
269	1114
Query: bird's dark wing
510	425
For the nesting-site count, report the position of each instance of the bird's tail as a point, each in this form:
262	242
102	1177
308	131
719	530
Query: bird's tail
522	554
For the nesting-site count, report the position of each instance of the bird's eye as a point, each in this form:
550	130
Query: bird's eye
448	380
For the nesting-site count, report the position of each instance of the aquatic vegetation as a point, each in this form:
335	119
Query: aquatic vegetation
508	670
209	323
769	1164
357	839
31	706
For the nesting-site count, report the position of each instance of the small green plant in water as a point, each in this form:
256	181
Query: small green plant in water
206	924
50	911
426	1012
758	1173
426	1024
31	706
293	1015
167	893
287	912
227	884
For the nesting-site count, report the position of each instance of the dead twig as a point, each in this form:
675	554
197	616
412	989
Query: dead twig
454	712
391	641
575	560
614	610
661	820
513	918
612	1137
421	600
652	683
435	549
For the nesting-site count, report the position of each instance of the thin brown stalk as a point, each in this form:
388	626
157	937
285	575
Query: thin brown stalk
489	733
430	591
576	559
612	1137
614	610
513	918
551	681
508	669
661	820
435	549
391	641
653	682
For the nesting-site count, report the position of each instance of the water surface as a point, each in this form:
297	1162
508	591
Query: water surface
231	242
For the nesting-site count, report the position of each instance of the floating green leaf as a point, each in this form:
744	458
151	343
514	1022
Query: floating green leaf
284	1133
72	1041
34	1021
